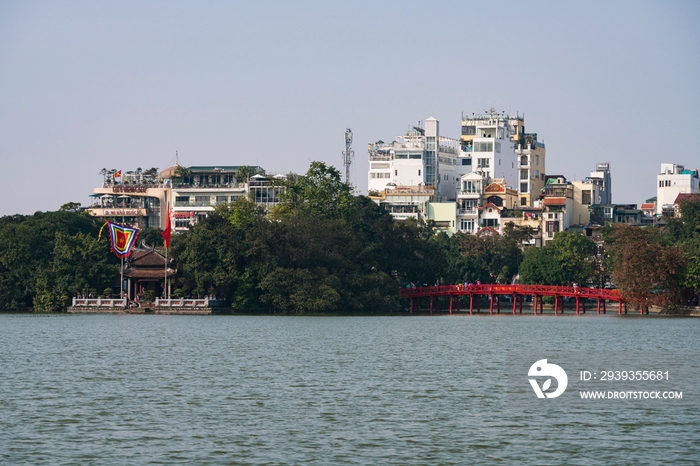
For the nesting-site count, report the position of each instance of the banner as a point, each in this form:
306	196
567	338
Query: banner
122	239
166	232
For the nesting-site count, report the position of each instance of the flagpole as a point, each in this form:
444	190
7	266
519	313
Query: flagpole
166	243
165	281
121	280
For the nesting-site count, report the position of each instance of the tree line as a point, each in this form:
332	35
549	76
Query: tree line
323	249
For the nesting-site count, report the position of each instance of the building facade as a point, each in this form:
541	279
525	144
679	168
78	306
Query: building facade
673	180
421	157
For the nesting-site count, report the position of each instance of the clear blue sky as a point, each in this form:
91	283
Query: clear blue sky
92	84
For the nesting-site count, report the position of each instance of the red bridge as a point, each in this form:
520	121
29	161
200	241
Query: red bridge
517	293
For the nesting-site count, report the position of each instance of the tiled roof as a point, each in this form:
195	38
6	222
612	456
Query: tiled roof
554	201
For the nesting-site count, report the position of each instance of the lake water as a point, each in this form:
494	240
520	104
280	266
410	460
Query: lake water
149	389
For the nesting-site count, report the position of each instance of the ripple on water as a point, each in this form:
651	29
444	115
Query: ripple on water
314	390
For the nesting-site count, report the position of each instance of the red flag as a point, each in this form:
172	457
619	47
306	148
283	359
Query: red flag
166	232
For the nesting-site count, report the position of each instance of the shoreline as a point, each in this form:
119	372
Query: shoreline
679	311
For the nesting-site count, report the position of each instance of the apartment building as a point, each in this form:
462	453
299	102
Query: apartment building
421	157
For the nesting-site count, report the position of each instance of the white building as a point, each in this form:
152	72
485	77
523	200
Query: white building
673	180
601	178
497	146
421	157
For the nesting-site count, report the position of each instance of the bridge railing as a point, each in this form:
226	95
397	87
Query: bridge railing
497	289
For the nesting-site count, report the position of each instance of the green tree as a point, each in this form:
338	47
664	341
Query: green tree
79	264
568	258
70	207
27	246
320	193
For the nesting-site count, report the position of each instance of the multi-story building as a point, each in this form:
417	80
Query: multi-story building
481	201
531	165
487	147
197	193
134	199
191	193
404	202
498	146
602	179
673	180
421	157
557	203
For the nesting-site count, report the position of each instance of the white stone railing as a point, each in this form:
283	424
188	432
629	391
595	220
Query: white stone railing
187	302
98	302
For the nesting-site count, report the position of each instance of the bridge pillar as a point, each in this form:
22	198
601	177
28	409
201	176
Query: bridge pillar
619	307
576	304
534	307
515	298
471	304
411	304
605	311
598	310
450	304
491	304
431	305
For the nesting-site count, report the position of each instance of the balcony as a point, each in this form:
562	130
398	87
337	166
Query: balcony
468	211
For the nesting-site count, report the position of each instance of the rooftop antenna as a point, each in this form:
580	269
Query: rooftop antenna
348	154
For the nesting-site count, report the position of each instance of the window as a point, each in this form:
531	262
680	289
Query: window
467	161
537	160
401	155
415	155
498	147
523	174
523	187
586	197
471	187
483	147
523	200
468	130
202	200
482	163
419	172
396	173
552	227
490	222
221	199
466	224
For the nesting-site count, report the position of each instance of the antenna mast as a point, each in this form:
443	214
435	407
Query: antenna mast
348	154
